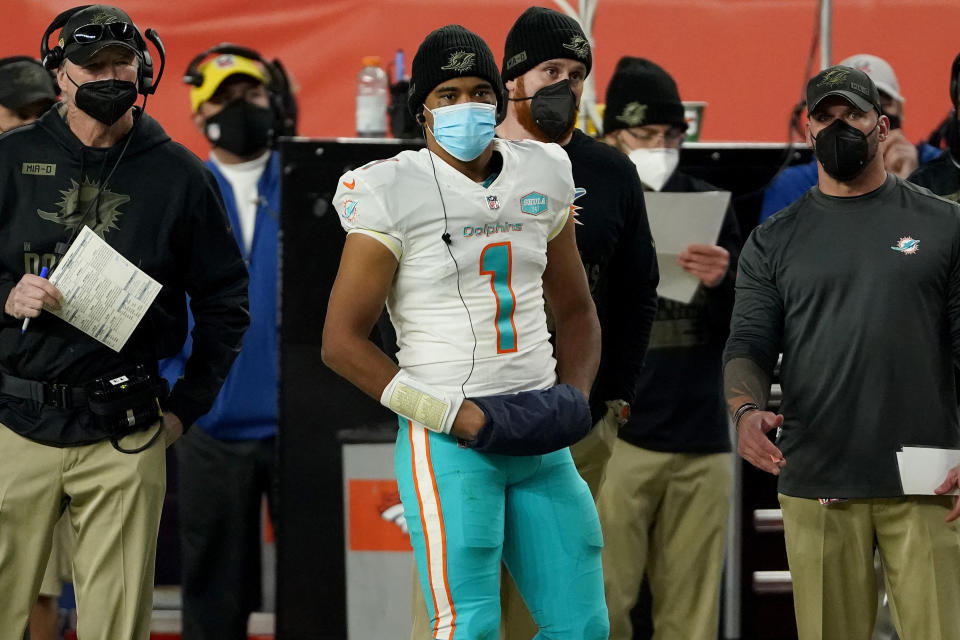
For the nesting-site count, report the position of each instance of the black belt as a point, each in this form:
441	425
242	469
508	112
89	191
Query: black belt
61	396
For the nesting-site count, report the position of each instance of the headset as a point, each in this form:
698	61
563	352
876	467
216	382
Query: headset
282	102
14	59
146	84
955	82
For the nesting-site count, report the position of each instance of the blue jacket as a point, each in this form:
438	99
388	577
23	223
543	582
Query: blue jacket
797	180
246	407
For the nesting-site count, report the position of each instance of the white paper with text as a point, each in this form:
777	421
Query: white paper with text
678	220
104	294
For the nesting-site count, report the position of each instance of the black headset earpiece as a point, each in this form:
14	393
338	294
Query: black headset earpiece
146	83
955	82
282	102
51	58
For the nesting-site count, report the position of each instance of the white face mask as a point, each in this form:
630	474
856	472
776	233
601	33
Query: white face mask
655	166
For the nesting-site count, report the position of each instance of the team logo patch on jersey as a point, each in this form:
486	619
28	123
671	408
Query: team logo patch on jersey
907	246
493	202
533	203
349	209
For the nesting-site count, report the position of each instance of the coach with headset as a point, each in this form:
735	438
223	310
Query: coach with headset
240	102
79	422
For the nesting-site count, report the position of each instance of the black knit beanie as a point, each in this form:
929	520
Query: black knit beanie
452	52
542	34
640	93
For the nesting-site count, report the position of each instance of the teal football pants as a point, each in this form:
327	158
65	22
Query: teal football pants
466	511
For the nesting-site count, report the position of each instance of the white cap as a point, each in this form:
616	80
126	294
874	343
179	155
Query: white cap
879	71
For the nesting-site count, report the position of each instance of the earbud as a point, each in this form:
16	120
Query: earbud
446	238
420	119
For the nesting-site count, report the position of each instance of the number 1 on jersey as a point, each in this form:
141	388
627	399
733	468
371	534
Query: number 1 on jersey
496	260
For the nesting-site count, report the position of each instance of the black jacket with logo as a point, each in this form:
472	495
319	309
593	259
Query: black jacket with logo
162	211
613	237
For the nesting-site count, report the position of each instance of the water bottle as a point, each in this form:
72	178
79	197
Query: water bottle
372	95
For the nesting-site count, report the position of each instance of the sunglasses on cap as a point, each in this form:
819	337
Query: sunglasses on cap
90	33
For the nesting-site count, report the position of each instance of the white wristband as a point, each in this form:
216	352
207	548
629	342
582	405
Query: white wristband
421	403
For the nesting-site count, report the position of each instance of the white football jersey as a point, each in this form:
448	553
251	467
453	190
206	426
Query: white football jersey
495	337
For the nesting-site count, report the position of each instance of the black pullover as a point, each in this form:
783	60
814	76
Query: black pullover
162	211
680	406
613	237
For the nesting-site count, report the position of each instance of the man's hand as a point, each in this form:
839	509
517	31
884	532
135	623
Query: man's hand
708	262
29	295
952	482
470	419
900	155
753	444
172	428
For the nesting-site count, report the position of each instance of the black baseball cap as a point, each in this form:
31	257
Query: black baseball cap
849	83
24	81
94	28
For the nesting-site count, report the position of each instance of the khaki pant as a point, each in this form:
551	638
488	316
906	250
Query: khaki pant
59	566
665	514
590	455
113	501
830	552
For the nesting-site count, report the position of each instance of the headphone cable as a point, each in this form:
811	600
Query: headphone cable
62	248
447	242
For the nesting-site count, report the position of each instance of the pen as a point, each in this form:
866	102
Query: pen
26	321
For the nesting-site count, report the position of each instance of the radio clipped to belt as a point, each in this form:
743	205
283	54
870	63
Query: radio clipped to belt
126	402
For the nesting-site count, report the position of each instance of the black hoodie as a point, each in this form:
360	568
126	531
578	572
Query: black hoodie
161	209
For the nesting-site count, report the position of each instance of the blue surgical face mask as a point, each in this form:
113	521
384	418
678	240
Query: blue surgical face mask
464	130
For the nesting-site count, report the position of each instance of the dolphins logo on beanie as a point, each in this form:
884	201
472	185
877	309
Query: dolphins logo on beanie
452	52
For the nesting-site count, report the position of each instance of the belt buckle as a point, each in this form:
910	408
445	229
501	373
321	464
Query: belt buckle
57	395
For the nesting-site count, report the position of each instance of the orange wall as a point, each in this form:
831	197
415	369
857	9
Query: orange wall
746	58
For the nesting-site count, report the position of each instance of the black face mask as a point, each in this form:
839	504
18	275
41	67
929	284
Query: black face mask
105	100
242	128
554	109
842	150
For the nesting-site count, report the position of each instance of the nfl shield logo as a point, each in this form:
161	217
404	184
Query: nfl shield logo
493	202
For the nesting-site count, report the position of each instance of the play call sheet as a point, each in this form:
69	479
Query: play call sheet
104	294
